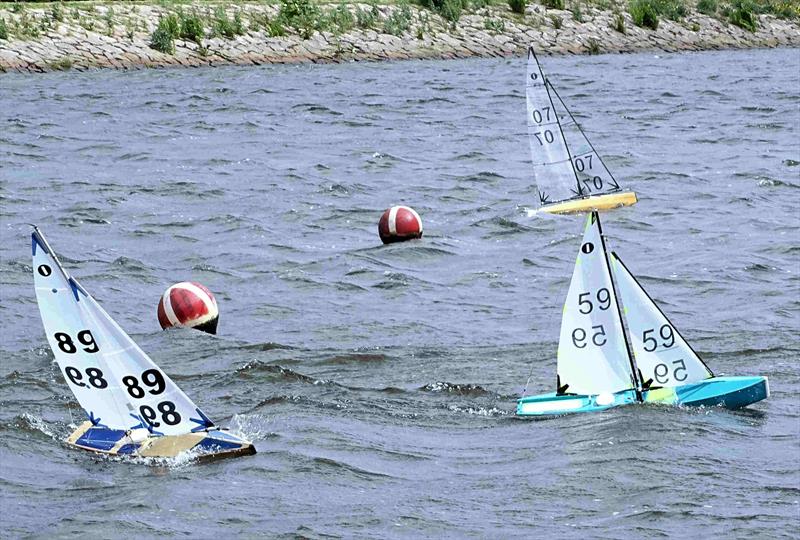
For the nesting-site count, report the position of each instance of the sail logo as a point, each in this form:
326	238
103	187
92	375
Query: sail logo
44	270
587	248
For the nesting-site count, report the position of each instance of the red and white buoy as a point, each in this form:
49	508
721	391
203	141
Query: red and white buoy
189	304
399	223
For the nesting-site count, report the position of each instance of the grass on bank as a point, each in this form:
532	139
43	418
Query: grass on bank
196	21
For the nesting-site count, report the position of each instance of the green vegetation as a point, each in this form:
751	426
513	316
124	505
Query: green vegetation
341	19
556	21
553	4
644	13
742	13
399	20
62	64
494	26
3	29
593	46
191	27
619	23
707	7
301	15
577	14
518	6
163	37
366	18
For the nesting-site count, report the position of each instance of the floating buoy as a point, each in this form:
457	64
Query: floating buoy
189	304
399	223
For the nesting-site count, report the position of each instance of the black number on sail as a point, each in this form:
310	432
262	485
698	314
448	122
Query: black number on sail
542	115
169	415
650	343
155	380
133	387
66	344
94	376
583	163
595	182
74	375
546	134
598	338
603	301
152	378
661	372
149	415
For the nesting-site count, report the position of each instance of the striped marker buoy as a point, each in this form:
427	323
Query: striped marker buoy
399	223
188	304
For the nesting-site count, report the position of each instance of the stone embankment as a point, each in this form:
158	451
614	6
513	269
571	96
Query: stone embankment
120	37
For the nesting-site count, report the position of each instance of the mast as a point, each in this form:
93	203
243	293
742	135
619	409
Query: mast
577	125
634	370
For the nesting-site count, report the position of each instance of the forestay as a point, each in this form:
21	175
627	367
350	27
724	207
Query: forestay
115	382
552	168
663	357
593	356
594	178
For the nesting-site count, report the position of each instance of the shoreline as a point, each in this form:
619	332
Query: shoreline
121	36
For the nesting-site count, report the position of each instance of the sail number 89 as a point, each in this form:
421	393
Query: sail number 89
151	378
85	337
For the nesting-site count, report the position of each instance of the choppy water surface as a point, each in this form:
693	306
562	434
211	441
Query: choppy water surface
378	383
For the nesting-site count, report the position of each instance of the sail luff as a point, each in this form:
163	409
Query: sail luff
631	360
580	129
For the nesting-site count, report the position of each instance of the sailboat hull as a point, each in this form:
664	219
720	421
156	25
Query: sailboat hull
555	405
205	445
608	201
728	392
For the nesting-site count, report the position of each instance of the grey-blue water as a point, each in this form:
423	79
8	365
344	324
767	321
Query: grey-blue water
379	383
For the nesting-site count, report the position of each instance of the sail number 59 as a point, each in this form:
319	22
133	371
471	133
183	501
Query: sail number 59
661	372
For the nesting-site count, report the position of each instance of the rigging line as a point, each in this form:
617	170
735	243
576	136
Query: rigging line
632	362
525	390
575	122
560	130
674	328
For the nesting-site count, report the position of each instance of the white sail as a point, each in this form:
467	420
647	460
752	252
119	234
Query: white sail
115	382
662	356
593	355
552	168
594	178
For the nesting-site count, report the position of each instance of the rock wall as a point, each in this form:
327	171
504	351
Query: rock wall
94	37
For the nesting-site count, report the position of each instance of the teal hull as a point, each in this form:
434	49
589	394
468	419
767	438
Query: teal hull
728	392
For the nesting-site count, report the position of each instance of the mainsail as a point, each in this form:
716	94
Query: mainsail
593	355
663	357
552	165
115	382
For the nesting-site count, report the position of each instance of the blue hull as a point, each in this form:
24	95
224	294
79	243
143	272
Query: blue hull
203	445
728	392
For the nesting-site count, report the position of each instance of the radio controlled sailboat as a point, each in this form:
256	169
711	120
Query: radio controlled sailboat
616	345
134	408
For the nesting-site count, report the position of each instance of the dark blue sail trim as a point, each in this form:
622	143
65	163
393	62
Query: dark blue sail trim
204	422
143	424
34	243
76	288
95	421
